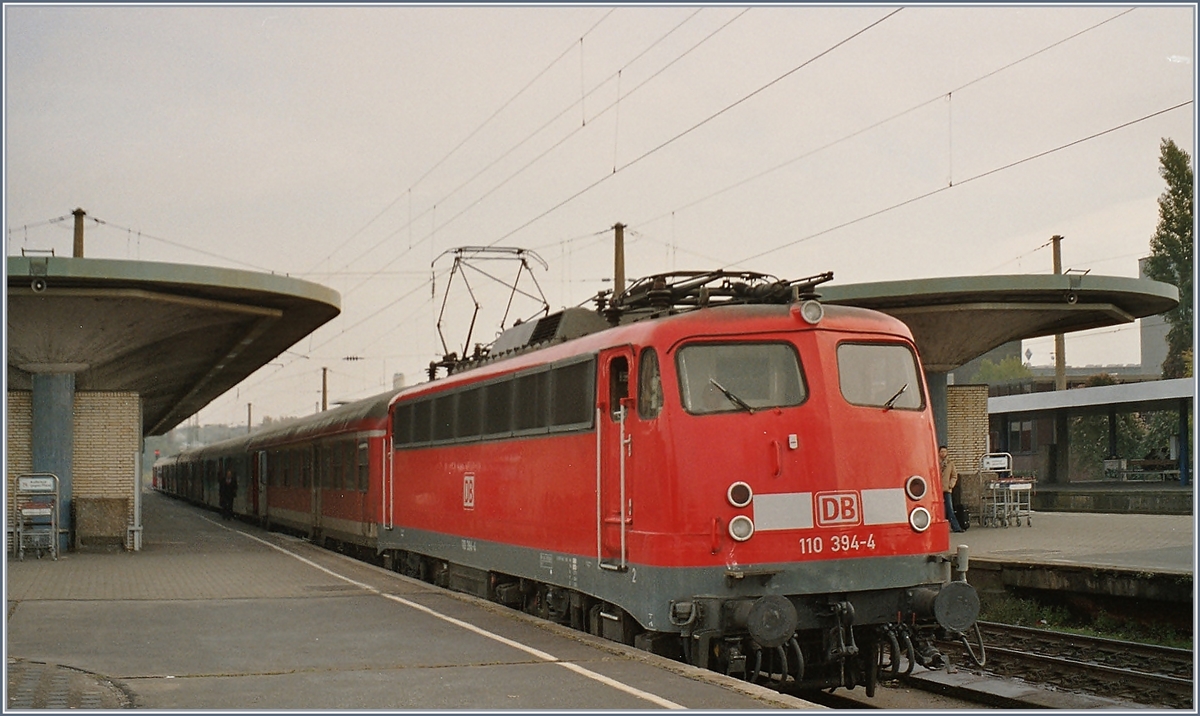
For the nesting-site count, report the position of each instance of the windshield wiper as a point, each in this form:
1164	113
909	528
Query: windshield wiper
733	398
892	400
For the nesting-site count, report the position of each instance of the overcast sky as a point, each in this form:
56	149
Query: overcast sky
352	146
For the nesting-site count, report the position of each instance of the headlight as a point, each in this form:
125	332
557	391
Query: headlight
739	494
812	312
919	519
916	487
741	528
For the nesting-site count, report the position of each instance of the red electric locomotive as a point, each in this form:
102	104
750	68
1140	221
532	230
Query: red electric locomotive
714	467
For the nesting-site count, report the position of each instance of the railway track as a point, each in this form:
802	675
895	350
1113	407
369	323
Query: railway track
1145	674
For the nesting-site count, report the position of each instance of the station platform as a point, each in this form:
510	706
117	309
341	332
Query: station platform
1147	557
222	615
1116	497
1149	543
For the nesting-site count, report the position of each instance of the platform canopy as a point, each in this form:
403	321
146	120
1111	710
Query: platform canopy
179	335
955	320
1145	396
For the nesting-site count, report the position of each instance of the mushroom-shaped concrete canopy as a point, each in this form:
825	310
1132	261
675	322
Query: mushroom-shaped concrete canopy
178	335
954	320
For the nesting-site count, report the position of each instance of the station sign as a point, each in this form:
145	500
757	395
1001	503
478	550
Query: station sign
35	483
997	462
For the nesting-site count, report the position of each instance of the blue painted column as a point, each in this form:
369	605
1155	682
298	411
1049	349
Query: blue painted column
54	439
937	400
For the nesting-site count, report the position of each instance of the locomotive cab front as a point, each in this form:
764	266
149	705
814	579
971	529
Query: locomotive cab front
807	493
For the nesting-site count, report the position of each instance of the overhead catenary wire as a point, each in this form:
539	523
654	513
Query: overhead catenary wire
577	239
504	155
887	120
941	189
463	142
693	128
37	224
669	141
141	234
1018	258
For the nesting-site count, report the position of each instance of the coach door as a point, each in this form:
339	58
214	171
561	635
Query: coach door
260	482
614	450
319	467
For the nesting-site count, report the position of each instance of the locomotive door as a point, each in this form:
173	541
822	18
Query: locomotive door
614	449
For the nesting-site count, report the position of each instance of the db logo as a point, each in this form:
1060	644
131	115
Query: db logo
837	508
468	490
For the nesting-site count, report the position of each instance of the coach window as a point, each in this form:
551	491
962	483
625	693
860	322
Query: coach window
650	394
296	468
330	462
349	466
364	461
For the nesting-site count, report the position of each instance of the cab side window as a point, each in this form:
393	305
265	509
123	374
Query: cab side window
650	392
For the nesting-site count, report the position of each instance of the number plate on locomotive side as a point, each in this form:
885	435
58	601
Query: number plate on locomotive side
838	543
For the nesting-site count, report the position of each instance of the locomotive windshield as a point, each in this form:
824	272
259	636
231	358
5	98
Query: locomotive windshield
879	375
726	377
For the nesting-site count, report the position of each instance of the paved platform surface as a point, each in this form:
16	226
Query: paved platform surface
221	615
214	615
1148	543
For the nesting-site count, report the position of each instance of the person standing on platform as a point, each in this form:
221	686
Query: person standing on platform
949	480
228	492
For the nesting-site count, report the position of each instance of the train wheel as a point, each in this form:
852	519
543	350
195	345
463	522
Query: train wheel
874	652
593	621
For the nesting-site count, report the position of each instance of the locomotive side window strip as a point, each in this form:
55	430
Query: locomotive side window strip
879	375
530	402
498	399
558	398
727	377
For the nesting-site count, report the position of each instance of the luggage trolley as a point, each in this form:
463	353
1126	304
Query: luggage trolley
1007	499
36	524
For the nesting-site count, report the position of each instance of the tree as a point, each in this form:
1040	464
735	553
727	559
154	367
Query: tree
1088	438
1171	254
1006	370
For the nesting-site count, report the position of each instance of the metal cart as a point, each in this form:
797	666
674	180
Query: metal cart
1006	500
36	523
